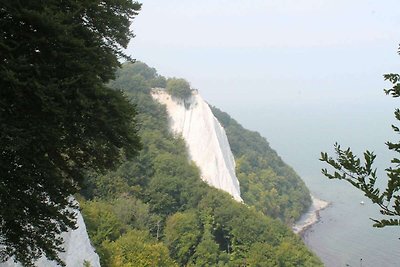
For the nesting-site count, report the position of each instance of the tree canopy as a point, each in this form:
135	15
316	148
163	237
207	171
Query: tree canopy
179	88
362	174
57	117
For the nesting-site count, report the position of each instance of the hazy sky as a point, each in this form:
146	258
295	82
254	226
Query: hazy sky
306	68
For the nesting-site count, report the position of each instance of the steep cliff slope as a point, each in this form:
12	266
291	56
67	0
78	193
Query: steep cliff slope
206	140
77	250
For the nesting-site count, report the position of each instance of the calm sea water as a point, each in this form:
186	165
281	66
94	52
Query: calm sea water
344	236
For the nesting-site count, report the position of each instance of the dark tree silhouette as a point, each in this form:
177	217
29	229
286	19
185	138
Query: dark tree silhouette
57	118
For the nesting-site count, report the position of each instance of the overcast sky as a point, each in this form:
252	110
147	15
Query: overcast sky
293	63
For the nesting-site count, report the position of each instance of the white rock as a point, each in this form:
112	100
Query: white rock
205	138
77	250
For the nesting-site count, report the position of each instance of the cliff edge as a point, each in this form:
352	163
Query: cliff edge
206	139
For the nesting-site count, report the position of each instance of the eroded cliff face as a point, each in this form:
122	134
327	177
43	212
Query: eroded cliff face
77	250
205	138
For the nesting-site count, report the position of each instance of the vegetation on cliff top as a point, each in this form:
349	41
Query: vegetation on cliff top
179	88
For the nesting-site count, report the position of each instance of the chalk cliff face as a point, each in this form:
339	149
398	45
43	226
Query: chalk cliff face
205	138
77	247
77	250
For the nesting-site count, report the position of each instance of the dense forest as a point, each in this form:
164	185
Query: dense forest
156	211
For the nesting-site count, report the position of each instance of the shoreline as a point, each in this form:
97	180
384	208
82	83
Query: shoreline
310	217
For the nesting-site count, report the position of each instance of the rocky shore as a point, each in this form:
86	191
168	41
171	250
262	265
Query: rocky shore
311	216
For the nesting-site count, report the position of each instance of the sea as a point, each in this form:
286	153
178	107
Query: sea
344	234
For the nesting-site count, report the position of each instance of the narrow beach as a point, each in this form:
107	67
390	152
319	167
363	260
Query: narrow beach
311	216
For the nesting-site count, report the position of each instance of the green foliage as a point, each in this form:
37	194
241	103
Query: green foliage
134	212
57	117
138	77
362	175
261	254
101	222
179	88
207	251
266	182
110	226
137	248
182	234
161	196
158	82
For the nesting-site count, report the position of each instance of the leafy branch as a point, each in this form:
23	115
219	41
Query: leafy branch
362	175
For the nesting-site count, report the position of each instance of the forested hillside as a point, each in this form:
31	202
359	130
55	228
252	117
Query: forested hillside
266	182
156	211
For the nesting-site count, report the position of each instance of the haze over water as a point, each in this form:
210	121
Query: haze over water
305	74
344	234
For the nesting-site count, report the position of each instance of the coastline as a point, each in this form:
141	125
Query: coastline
310	217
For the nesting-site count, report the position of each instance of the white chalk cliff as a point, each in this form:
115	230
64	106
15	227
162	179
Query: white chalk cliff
77	250
205	138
